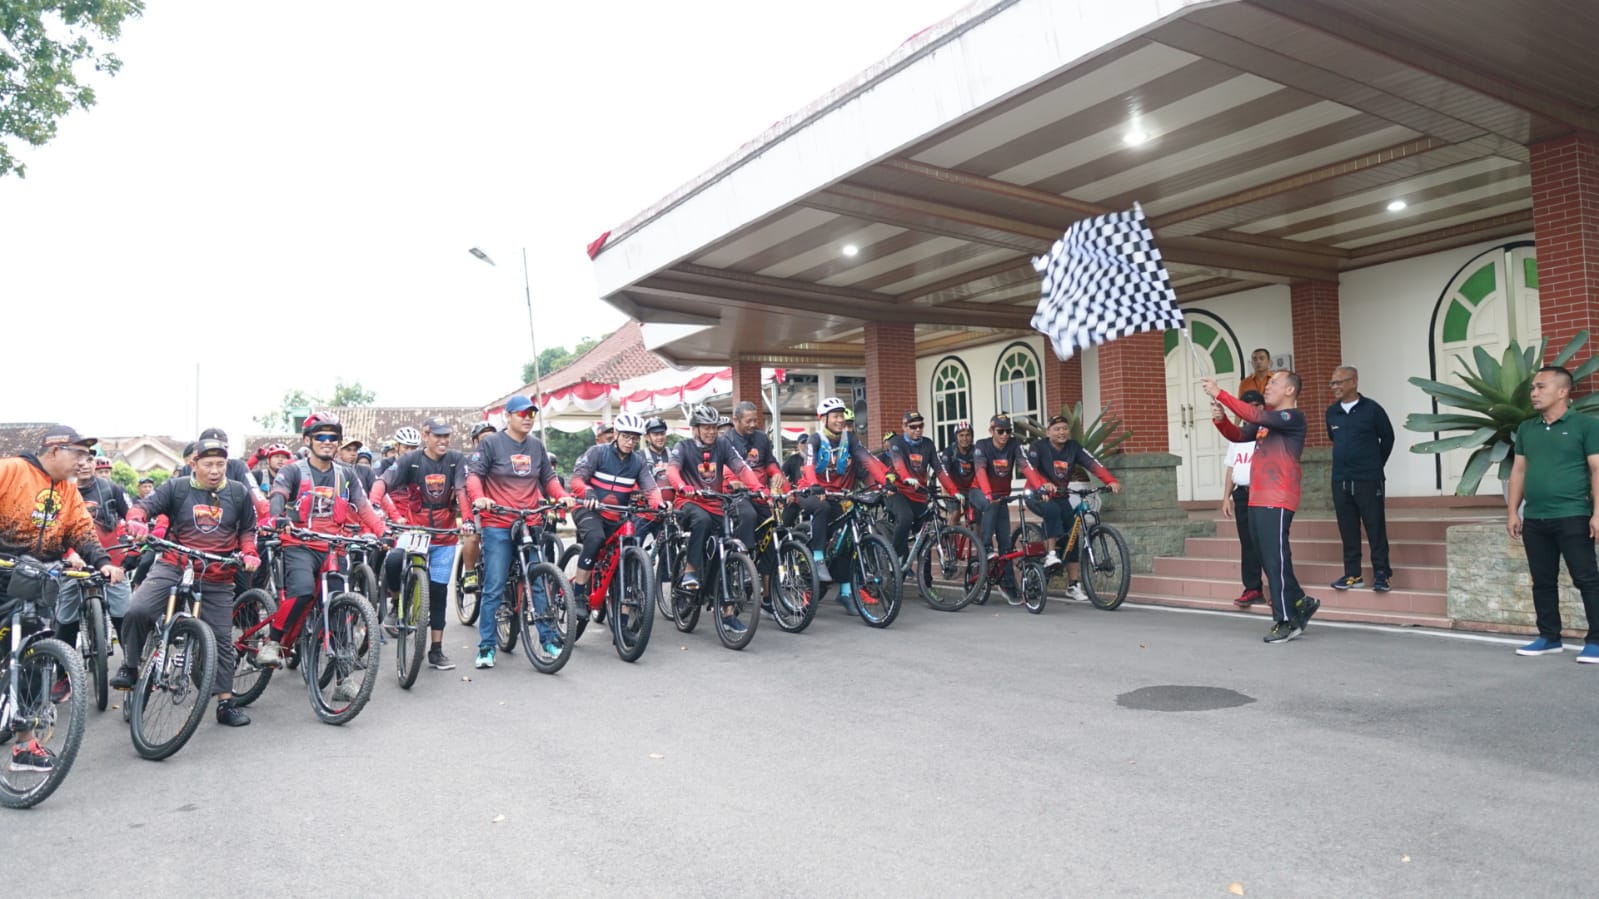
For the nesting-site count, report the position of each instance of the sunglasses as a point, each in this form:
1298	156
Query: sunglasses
325	438
914	426
525	413
1002	430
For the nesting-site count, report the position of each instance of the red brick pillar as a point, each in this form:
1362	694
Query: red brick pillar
1318	349
747	384
1132	384
1565	221
890	379
1063	383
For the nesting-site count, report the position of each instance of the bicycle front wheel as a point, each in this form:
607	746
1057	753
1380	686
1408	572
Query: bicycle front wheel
96	649
411	636
252	617
465	602
1106	567
949	569
877	583
685	603
513	604
173	689
57	726
547	619
633	603
365	582
1035	587
739	613
795	587
341	659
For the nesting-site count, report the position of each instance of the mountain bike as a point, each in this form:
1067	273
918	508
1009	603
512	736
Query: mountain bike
333	641
1025	551
728	587
94	634
622	586
177	664
793	588
466	601
875	569
42	686
1103	561
946	560
410	630
537	606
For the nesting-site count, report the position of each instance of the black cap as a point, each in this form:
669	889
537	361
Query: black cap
999	421
913	416
804	439
214	434
188	450
436	426
150	481
1059	420
210	446
1253	397
64	435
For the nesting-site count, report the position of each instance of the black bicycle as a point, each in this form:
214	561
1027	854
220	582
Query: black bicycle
1105	565
537	607
42	686
729	587
94	634
875	571
945	559
410	627
793	589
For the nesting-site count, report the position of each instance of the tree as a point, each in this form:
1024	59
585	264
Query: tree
127	478
555	358
296	403
39	69
351	394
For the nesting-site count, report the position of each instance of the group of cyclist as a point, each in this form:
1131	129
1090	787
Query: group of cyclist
57	506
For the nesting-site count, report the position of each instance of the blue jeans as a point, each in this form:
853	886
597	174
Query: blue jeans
497	555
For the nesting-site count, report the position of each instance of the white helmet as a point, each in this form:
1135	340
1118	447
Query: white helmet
408	436
628	423
831	404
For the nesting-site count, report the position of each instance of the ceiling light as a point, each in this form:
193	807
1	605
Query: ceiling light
1135	137
1397	206
851	249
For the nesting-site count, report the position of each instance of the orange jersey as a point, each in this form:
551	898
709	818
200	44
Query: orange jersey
41	517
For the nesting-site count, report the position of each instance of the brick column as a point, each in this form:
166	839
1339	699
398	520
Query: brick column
747	384
1132	384
1565	221
890	379
1318	349
1063	383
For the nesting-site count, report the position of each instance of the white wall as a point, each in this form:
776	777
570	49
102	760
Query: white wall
980	361
1386	312
1260	318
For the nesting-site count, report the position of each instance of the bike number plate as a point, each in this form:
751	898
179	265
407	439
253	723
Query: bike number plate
416	542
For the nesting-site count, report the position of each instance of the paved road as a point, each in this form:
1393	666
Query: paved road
981	753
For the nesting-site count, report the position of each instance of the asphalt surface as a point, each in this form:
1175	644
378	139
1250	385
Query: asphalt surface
978	753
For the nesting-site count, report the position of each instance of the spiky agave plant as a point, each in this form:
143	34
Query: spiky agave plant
1498	400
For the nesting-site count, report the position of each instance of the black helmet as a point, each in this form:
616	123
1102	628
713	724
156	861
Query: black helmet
481	428
654	425
322	421
704	415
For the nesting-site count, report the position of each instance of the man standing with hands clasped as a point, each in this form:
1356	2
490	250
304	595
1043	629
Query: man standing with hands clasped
1557	472
1362	439
1274	481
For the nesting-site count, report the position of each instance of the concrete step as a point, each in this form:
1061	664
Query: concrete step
1311	573
1418	602
1326	613
1402	553
1407	529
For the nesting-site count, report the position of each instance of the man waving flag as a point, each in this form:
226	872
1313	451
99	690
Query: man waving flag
1104	279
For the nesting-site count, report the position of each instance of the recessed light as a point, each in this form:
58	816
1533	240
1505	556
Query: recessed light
1397	206
1135	137
851	249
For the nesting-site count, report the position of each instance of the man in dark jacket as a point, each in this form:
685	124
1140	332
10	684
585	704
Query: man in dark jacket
1362	439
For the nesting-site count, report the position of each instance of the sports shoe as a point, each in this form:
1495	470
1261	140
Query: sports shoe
270	655
391	625
550	649
469	584
1541	647
691	580
731	623
1076	591
820	566
1249	598
1307	607
231	715
1051	560
485	657
437	659
1380	584
60	690
1589	654
1348	581
32	757
1282	632
124	678
345	690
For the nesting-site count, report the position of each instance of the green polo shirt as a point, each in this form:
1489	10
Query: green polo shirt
1557	464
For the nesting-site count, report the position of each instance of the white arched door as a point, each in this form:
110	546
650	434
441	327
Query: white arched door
1491	301
1191	434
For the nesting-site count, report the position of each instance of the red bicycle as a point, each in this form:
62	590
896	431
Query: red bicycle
1027	555
333	641
622	587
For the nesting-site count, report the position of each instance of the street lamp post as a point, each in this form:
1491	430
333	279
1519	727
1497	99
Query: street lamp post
527	291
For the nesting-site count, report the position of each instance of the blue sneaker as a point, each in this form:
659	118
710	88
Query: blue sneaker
1589	654
691	580
1541	647
552	650
735	626
485	657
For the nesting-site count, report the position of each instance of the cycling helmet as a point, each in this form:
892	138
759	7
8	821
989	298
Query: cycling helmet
655	425
101	463
831	404
628	423
962	425
849	414
408	437
276	449
481	428
322	421
704	415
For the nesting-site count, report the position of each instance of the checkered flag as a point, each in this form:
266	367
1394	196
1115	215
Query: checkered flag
1104	279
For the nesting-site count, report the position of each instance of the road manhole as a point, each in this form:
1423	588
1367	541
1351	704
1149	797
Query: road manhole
1182	698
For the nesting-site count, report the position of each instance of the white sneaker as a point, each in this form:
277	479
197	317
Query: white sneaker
270	655
345	690
1051	560
1076	591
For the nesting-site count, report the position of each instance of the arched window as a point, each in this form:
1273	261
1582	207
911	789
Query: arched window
1018	389
952	398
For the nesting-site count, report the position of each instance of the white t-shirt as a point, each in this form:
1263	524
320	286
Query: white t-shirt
1349	405
1238	456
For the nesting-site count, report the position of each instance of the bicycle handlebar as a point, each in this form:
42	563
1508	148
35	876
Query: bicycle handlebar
8	562
161	543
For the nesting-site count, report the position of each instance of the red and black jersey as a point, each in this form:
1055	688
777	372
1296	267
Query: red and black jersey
996	467
511	472
756	451
838	461
918	460
322	501
433	490
219	521
603	473
1274	472
959	467
700	466
1056	464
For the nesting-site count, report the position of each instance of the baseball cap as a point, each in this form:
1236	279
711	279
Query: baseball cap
520	403
64	435
351	442
214	434
150	481
188	450
1059	420
999	421
804	439
913	416
210	446
1253	397
436	426
602	427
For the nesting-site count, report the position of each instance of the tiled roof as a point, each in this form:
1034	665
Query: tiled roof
374	424
621	355
253	442
22	437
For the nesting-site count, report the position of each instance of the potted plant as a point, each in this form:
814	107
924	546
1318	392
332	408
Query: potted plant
1497	398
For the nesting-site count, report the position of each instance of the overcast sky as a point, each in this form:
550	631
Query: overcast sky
284	194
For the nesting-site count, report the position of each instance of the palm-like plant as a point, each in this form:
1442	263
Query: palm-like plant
1498	401
1101	437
